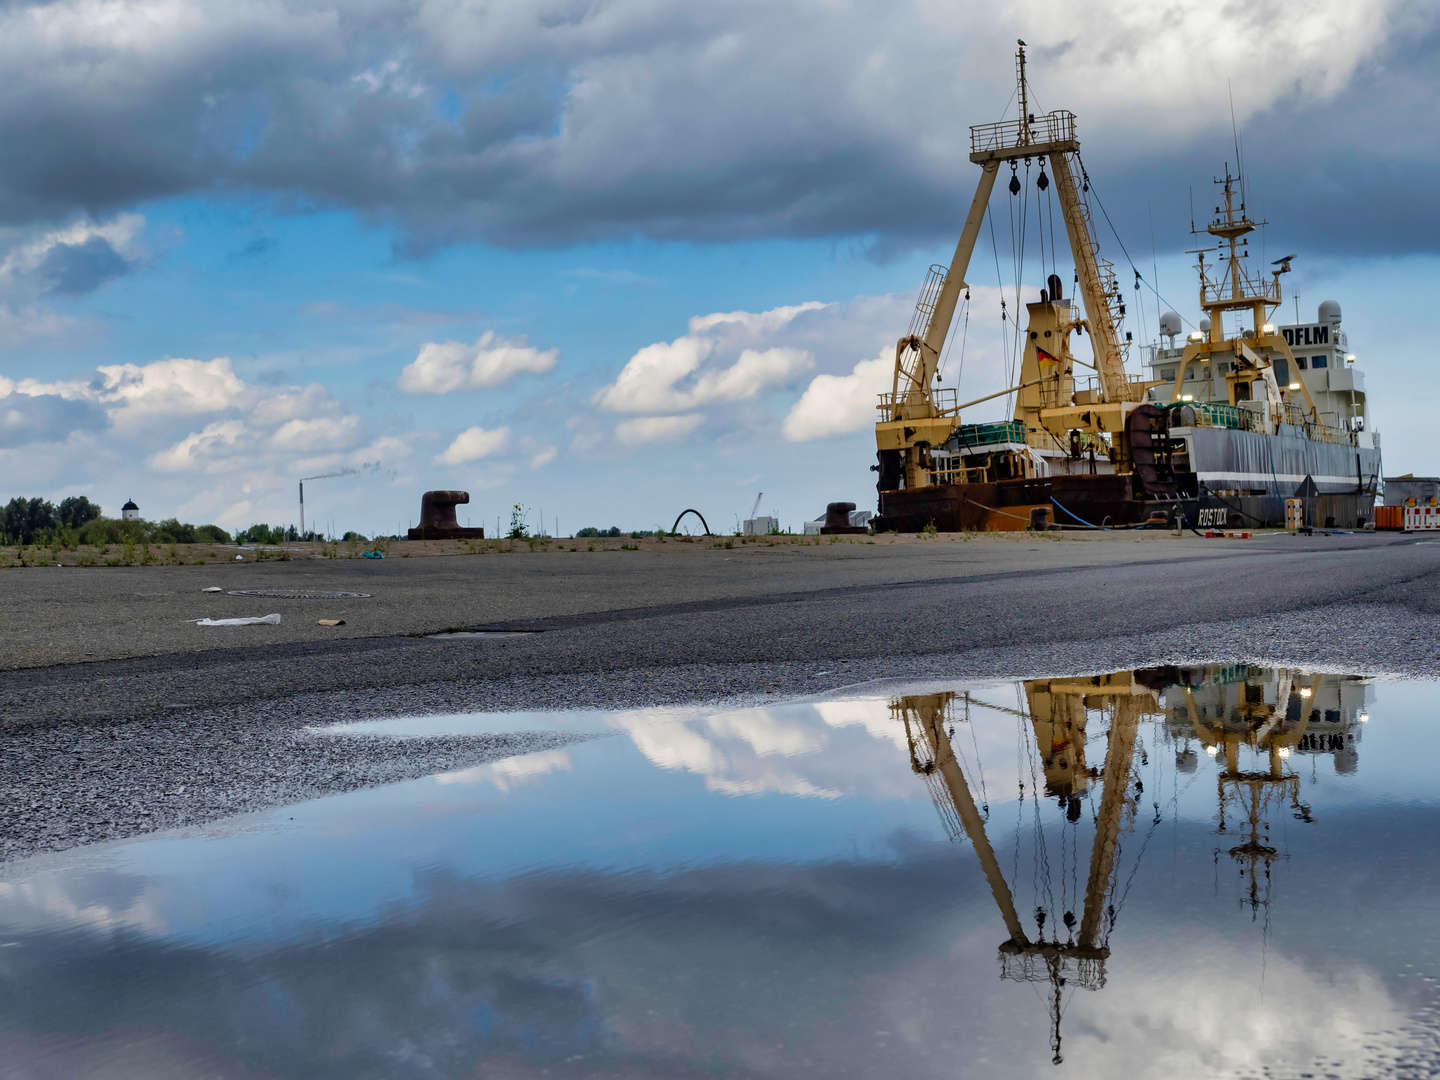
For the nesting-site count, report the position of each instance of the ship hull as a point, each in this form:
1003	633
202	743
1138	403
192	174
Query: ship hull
1243	478
1005	506
1224	478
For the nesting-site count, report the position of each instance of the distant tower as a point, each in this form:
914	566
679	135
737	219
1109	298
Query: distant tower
130	512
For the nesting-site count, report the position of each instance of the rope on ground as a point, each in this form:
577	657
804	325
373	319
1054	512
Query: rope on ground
1083	523
1017	517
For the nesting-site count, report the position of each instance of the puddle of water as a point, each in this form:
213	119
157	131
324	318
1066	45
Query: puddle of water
1224	871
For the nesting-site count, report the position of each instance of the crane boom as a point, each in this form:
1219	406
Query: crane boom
1097	285
917	358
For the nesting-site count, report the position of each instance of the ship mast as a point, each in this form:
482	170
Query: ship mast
1236	290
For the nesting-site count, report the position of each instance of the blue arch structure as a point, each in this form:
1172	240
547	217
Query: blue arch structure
698	515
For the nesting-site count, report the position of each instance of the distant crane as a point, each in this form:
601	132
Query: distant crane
756	508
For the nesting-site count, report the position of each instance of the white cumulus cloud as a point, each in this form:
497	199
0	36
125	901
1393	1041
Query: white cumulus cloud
673	376
839	404
445	367
172	388
200	448
473	444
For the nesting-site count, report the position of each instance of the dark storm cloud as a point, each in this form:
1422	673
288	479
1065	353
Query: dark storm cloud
26	419
78	269
1351	176
561	122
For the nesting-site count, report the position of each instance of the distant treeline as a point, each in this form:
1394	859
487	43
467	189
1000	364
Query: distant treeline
614	530
287	534
78	521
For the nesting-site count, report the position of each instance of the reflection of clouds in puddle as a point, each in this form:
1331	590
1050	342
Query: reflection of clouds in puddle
512	772
749	969
822	750
873	714
100	901
1191	1013
765	732
727	754
1138	1026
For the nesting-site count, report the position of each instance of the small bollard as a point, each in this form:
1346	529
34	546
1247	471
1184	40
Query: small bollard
1039	518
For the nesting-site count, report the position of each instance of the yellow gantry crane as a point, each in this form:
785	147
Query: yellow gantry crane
915	416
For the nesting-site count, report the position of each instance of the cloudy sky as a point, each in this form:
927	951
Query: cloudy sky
613	258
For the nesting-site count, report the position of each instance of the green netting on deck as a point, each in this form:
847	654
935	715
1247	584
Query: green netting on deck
1219	415
1009	431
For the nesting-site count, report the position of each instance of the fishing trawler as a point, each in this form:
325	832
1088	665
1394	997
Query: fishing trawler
1234	421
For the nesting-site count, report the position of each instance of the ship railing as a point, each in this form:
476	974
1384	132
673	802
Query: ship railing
1220	291
1134	386
1328	434
960	474
1294	414
1052	127
942	402
1254	416
1041	439
1315	431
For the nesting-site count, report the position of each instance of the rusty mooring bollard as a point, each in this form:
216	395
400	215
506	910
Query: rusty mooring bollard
437	518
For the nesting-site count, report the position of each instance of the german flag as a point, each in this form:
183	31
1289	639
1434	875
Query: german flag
1045	357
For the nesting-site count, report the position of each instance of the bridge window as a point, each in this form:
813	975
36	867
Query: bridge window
1319	362
1282	371
1300	362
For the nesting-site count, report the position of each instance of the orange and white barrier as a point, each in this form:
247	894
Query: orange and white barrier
1422	518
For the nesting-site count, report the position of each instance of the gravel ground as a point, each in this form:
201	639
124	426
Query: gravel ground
112	749
67	786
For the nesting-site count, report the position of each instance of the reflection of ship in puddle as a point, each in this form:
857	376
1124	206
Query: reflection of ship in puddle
1275	713
1270	713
